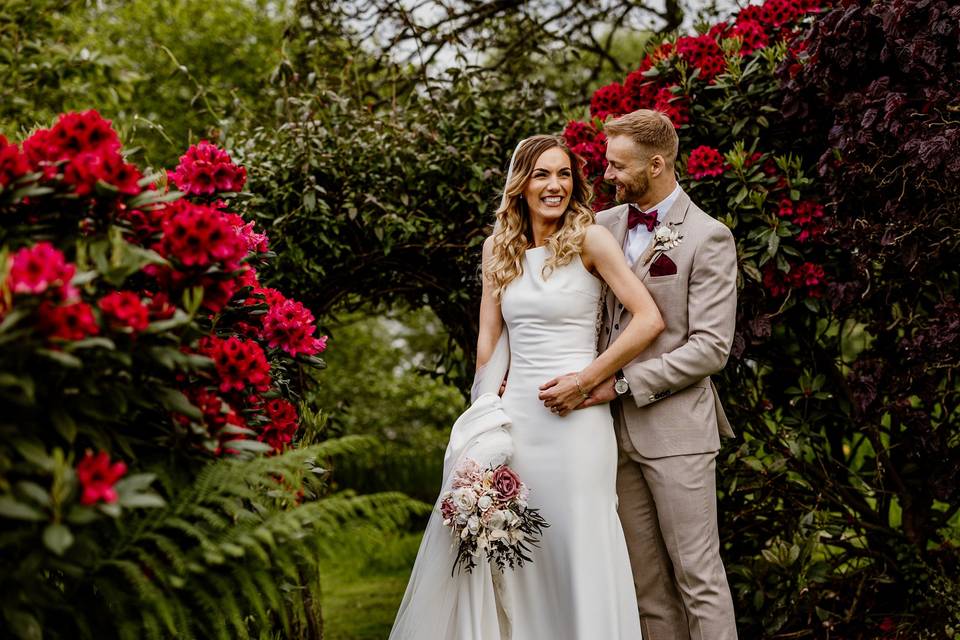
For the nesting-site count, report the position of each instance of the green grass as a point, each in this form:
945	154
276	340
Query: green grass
364	583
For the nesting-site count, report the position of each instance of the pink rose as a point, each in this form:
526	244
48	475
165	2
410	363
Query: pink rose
506	483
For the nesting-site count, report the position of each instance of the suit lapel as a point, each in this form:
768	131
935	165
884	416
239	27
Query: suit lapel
673	219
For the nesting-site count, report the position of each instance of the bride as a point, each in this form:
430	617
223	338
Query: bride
543	271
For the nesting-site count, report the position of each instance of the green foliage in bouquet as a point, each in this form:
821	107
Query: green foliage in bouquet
159	476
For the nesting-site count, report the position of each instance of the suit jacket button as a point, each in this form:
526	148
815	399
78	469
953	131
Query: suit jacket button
616	326
652	398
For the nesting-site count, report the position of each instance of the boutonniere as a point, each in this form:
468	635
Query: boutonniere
664	239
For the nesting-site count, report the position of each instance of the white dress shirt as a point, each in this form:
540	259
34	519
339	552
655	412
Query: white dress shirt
638	238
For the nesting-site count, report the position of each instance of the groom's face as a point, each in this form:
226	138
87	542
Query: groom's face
627	168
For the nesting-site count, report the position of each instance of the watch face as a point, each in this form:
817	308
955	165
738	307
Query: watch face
621	386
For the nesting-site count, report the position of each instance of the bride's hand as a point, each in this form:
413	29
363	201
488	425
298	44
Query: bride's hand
603	392
562	394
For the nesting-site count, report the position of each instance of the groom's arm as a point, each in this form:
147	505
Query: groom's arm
711	317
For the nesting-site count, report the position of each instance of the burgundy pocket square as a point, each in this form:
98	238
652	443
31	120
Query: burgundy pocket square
662	266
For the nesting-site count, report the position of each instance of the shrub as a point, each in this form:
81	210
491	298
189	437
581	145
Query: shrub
138	348
840	377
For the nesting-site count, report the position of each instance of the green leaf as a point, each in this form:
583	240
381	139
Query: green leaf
773	243
175	401
81	515
34	452
148	198
89	343
35	492
141	500
64	423
248	445
10	508
62	358
24	625
135	483
57	538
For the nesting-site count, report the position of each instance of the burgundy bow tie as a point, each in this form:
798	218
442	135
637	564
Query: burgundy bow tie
636	217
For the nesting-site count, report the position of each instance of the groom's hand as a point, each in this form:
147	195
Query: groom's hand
561	395
603	392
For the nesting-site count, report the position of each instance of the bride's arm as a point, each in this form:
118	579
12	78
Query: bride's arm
491	319
602	254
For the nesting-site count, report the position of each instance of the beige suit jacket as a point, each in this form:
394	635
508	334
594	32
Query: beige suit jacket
675	408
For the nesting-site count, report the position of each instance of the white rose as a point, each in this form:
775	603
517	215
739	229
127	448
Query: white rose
499	520
499	534
473	525
465	500
516	536
485	502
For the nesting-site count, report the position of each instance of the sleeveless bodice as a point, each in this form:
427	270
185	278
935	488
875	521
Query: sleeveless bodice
552	321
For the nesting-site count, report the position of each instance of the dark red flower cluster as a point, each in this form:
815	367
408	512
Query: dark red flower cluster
807	215
751	34
41	268
703	53
607	101
283	423
72	321
97	478
13	164
589	145
198	236
705	162
240	364
206	169
125	310
807	276
89	149
290	326
675	106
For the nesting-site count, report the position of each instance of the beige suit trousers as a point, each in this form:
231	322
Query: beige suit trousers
668	508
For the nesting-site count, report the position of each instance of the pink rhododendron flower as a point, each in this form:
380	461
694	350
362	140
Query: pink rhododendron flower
42	267
125	309
97	478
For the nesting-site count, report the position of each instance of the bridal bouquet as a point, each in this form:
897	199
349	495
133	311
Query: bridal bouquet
487	512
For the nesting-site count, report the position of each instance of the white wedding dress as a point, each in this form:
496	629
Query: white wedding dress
579	586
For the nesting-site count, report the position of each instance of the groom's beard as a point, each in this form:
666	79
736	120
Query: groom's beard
633	191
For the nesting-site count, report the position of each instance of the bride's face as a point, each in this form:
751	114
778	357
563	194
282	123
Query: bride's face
550	185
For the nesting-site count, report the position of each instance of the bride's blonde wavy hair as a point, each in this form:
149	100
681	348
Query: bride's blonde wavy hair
512	233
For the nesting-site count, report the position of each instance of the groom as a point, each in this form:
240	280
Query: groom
666	410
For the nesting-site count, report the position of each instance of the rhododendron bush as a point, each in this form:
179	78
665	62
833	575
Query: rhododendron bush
135	340
821	137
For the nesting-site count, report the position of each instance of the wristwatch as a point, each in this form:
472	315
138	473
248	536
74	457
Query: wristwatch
621	386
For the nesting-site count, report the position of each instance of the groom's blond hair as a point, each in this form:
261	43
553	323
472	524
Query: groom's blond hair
650	129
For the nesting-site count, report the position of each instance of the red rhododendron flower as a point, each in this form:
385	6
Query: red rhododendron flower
87	132
68	322
774	280
705	162
97	478
639	92
85	169
159	306
240	363
808	275
577	132
206	169
125	309
607	101
42	267
283	423
13	163
703	53
198	235
289	325
751	34
807	215
675	107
